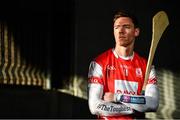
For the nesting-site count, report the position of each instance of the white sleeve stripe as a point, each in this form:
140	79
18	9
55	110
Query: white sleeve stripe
95	70
152	74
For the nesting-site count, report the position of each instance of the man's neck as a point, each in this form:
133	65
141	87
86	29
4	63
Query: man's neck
124	51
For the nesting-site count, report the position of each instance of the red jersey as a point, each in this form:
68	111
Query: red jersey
120	75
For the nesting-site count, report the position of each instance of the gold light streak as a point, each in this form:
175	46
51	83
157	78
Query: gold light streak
39	78
5	81
46	81
34	82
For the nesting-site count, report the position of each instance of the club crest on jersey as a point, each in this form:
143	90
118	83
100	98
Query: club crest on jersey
138	72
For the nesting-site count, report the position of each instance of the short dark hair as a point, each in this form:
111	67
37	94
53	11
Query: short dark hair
122	13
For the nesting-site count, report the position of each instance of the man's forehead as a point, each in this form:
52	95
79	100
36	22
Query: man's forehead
123	20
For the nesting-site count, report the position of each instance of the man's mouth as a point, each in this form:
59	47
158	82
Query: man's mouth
122	37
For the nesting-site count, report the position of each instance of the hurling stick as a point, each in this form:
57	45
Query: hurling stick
159	24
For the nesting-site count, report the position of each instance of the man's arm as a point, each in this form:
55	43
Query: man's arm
141	103
147	102
98	106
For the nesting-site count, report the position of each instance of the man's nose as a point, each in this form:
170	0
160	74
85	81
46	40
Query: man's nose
121	29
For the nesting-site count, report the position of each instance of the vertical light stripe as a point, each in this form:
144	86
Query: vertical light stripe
39	78
75	86
33	76
46	80
5	55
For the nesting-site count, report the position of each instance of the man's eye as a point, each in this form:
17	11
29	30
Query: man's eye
124	26
116	27
127	26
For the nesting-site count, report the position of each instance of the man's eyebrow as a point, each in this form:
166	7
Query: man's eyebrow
122	25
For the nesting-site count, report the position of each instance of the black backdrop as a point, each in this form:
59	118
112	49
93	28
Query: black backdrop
62	37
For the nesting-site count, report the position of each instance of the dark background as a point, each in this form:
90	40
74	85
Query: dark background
63	36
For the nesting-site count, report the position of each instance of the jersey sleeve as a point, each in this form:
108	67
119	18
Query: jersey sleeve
96	103
95	73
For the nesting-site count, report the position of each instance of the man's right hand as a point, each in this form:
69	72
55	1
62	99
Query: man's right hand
109	97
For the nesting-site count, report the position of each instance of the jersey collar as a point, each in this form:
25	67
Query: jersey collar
122	57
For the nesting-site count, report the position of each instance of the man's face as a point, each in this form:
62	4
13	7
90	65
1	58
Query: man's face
124	31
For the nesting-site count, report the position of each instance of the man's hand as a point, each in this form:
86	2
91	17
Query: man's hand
109	97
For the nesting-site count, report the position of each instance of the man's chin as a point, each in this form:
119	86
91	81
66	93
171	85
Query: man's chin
123	44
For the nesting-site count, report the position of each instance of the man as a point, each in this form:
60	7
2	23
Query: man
116	77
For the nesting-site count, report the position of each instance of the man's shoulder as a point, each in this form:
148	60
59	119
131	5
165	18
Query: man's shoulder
104	55
140	56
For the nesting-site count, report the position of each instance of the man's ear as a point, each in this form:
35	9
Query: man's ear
137	31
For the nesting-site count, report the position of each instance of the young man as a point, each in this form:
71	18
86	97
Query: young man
116	77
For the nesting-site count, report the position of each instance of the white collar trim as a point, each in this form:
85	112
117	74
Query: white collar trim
122	57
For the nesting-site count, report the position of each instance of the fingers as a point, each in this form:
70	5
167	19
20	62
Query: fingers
109	97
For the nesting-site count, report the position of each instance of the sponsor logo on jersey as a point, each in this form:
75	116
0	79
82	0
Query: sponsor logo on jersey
110	67
126	87
126	92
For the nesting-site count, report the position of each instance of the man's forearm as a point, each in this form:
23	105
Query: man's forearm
100	107
141	103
